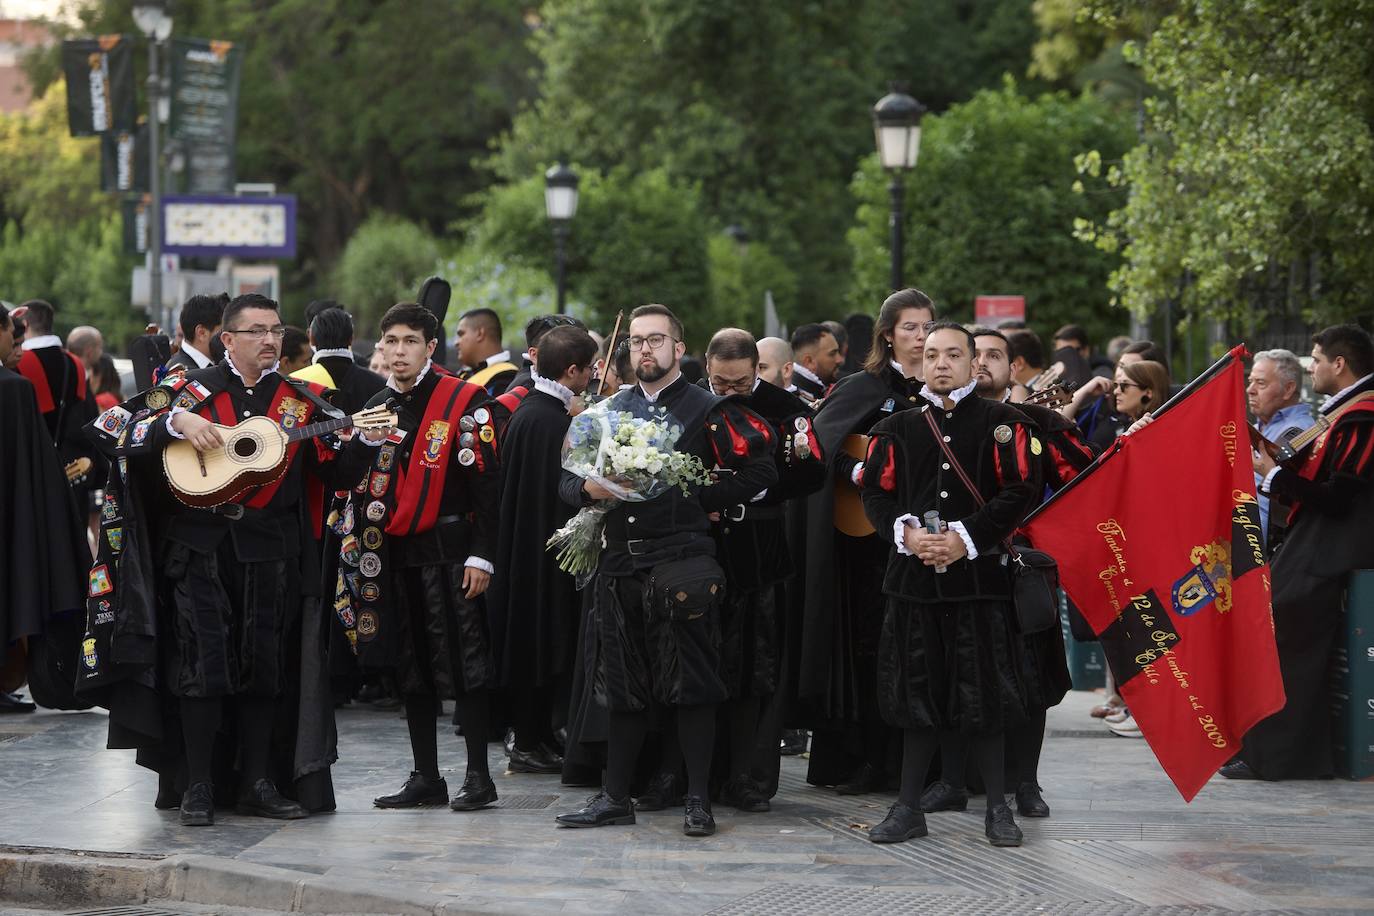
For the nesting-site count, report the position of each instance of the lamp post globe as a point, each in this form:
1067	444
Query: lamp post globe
560	204
897	134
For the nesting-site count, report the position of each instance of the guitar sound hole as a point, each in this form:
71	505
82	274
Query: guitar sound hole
245	447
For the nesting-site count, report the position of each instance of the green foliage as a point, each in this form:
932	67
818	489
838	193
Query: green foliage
990	209
741	275
384	263
1261	173
515	291
637	238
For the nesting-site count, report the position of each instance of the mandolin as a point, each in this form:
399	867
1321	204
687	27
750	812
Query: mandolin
77	470
254	453
1053	397
850	518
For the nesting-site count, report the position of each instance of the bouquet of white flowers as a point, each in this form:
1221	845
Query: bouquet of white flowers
627	447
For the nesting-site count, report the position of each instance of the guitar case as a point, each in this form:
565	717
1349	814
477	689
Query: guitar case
149	353
435	294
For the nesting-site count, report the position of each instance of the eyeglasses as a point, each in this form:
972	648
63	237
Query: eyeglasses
260	333
1122	386
655	341
734	386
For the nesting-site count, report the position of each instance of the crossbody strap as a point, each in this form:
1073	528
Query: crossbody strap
959	469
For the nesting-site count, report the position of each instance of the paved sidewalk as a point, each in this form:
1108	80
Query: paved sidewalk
1120	841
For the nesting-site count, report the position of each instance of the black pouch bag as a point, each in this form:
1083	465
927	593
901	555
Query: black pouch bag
1035	590
685	589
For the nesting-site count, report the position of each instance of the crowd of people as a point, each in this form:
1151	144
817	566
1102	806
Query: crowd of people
839	584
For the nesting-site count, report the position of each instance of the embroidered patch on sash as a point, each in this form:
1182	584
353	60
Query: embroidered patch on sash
158	398
372	538
1002	434
370	565
375	510
292	412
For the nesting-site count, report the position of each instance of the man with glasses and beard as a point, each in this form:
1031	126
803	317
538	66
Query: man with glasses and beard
657	652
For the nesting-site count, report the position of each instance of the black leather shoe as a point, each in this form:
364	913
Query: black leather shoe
866	780
198	806
538	760
741	794
263	800
418	792
902	823
793	743
1238	769
476	793
696	818
661	792
1000	827
13	702
1029	802
600	811
941	796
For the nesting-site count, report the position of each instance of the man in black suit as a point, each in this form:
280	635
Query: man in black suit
331	334
200	323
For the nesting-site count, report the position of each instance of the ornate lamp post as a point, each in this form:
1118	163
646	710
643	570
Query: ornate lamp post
560	203
897	132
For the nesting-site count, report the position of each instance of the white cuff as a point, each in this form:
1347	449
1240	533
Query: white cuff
1268	480
368	442
856	475
479	563
899	533
968	541
170	416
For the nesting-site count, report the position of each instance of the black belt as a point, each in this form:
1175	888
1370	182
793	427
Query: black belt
750	512
449	519
638	547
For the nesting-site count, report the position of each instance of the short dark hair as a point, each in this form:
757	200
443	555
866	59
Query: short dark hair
653	308
317	306
412	315
841	335
1350	342
880	354
5	321
536	328
733	343
293	342
332	329
809	335
953	326
979	330
202	309
485	317
563	348
620	359
39	315
1072	332
246	301
1148	350
1026	344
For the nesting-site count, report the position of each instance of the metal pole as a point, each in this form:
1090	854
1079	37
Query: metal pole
894	191
560	234
155	186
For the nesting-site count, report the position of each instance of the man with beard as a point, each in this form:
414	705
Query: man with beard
221	589
837	688
418	542
816	357
1064	455
947	583
655	591
752	542
533	605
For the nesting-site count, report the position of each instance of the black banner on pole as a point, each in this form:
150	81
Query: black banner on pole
205	97
137	211
100	85
124	160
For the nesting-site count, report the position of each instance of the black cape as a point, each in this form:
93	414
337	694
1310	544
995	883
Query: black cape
532	605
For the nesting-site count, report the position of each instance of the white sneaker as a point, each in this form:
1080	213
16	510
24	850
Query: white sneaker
1126	728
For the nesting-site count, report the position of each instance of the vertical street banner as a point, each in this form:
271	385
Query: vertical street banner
204	115
1159	545
100	85
124	160
137	211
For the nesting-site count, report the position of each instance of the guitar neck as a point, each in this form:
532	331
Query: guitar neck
312	430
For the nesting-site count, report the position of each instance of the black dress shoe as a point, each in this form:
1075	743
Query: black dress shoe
560	742
696	817
902	823
941	796
866	780
263	800
476	793
418	792
1029	802
1000	827
741	794
793	743
1238	769
198	806
13	702
600	811
536	761
661	792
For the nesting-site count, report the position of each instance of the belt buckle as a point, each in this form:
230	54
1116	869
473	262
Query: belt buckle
730	513
630	546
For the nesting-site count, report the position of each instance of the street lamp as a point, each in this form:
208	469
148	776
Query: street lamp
897	132
154	19
560	202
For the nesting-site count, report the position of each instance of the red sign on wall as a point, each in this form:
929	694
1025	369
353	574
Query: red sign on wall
992	309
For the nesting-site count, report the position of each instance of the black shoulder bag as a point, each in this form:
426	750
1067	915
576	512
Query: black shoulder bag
1034	574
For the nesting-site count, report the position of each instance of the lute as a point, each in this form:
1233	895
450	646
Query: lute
254	454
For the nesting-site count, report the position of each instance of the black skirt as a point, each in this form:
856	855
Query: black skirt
443	647
1046	668
951	667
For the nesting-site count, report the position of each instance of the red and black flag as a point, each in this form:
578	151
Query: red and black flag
1159	545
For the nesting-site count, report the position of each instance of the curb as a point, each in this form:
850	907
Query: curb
70	879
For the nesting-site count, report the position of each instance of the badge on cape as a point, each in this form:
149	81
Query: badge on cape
466	457
482	415
1002	434
1036	447
378	485
372	538
801	446
370	591
88	656
346	521
467	440
367	624
113	420
889	405
486	434
100	581
141	430
467	424
346	616
801	424
434	439
370	565
292	413
157	398
116	538
110	511
376	510
348	550
385	457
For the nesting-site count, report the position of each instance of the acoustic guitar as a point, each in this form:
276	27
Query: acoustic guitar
254	453
77	470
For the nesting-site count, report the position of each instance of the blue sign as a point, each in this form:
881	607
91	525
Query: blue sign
234	227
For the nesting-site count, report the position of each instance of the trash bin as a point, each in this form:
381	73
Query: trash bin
1087	663
1353	681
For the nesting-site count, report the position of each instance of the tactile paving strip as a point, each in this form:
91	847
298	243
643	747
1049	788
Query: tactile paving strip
525	802
127	911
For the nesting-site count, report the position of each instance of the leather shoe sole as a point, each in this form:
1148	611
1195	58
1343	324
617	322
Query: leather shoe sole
707	829
623	820
197	818
428	801
292	813
475	801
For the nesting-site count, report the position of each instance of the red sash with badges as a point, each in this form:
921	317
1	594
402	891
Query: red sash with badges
288	411
1316	458
421	483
